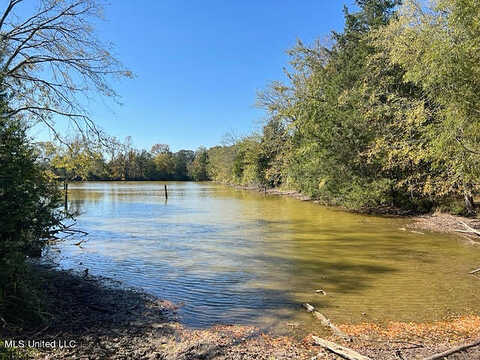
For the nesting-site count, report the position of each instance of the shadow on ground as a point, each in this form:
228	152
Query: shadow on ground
106	321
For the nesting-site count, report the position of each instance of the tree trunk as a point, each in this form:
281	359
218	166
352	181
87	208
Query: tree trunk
469	202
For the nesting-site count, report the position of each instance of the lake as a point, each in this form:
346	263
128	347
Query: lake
234	256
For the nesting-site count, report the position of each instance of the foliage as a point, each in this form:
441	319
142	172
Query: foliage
198	168
220	163
81	159
385	117
439	49
29	214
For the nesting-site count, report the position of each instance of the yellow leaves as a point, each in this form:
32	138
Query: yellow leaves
447	330
322	183
50	175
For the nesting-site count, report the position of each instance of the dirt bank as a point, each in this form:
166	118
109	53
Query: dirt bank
436	222
446	223
95	318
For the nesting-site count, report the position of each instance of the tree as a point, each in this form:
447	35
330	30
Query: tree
220	161
164	165
29	213
197	169
159	149
76	159
439	49
329	133
52	58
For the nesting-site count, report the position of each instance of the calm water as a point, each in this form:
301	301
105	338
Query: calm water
239	257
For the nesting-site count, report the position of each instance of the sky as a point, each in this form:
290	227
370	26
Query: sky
199	64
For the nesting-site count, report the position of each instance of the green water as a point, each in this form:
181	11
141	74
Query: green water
239	257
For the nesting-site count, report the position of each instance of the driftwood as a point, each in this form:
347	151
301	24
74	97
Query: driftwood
469	230
342	351
474	271
452	351
326	322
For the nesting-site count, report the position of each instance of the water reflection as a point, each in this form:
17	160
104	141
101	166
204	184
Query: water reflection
237	257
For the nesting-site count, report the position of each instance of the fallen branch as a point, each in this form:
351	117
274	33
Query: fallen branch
326	322
342	351
474	271
469	230
452	351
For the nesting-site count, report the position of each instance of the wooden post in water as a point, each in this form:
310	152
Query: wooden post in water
166	192
65	187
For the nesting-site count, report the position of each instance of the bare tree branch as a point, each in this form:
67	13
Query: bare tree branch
7	11
52	60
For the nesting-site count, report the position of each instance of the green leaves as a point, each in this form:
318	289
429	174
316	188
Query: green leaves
387	116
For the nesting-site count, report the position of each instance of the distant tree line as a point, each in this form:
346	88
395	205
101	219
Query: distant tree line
386	117
79	159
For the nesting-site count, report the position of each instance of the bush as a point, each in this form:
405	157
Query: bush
29	215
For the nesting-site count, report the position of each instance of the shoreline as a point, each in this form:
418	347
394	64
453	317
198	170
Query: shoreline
97	318
111	322
433	222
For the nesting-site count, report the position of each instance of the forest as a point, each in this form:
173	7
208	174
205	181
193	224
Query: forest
82	160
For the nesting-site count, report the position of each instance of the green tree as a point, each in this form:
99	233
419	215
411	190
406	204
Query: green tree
29	213
76	159
439	48
197	169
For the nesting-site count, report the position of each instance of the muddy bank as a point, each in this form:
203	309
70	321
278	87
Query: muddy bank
94	318
435	222
290	193
450	224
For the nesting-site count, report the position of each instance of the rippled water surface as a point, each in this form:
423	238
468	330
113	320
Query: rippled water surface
239	257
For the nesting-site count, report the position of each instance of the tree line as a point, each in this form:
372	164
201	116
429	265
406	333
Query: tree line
78	159
385	117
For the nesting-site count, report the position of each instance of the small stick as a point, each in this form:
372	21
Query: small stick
342	351
166	192
469	228
474	271
326	322
452	351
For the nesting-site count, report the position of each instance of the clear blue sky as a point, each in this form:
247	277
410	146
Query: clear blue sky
199	64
